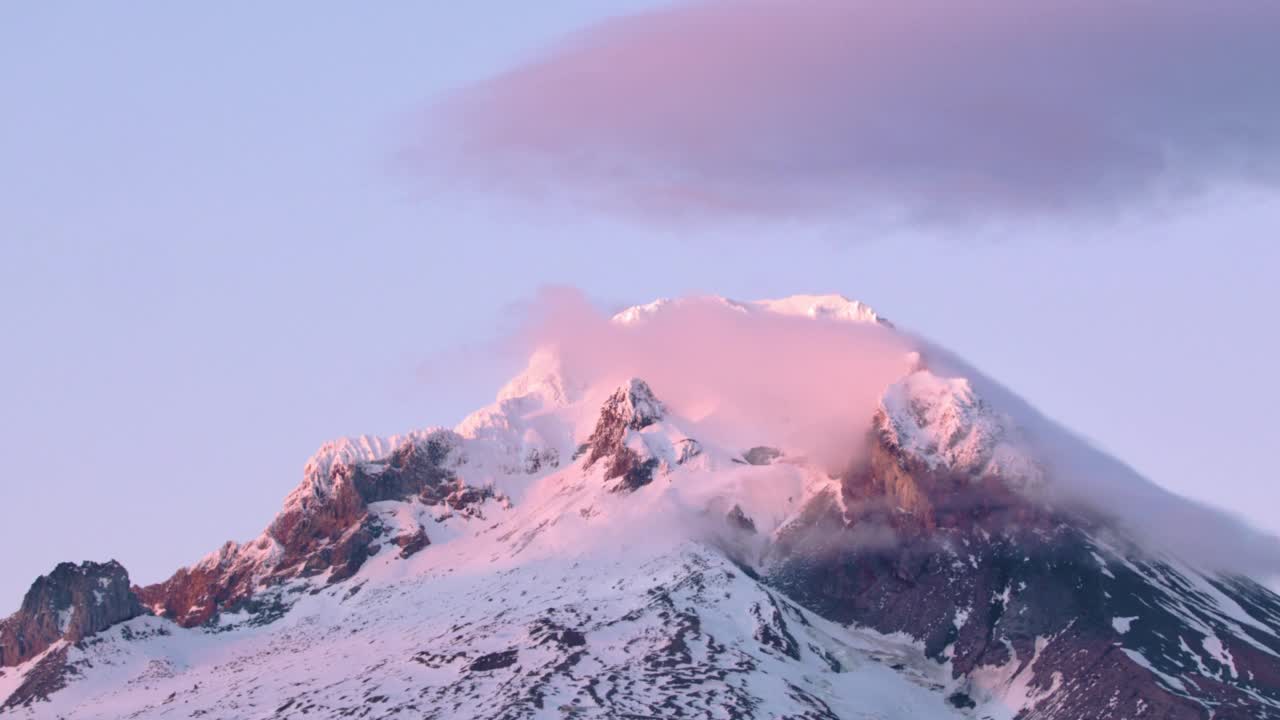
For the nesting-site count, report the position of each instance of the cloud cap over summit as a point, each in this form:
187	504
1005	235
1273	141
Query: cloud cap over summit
920	108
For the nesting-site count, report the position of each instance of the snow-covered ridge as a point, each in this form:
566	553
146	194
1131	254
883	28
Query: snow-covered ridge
828	307
542	414
318	472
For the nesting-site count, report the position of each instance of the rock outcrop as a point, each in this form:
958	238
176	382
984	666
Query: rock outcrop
633	440
326	527
632	408
70	603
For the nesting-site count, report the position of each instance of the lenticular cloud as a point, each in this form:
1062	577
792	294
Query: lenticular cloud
922	107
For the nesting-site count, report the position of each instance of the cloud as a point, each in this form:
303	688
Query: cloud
740	378
917	108
811	386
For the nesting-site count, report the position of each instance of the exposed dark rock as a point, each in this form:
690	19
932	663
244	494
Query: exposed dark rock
632	472
631	407
738	519
771	630
47	677
761	455
458	496
978	572
547	630
435	660
350	551
411	544
70	603
263	608
494	661
571	638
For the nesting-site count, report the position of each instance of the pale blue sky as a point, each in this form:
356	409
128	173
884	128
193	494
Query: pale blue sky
209	265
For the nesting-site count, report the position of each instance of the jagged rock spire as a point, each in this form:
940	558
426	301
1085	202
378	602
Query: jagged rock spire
633	406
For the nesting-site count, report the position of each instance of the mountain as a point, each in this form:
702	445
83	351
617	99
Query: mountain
590	547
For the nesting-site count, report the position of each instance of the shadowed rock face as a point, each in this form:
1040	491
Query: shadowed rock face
989	579
70	603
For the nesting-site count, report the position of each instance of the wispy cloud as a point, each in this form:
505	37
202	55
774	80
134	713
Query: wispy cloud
922	108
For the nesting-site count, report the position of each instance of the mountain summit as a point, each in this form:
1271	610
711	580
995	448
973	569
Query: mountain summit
656	537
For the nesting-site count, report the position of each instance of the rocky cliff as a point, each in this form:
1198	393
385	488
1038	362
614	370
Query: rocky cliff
70	603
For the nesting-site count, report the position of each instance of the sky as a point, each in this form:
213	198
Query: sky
228	235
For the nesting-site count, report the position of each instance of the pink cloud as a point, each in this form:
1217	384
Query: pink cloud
926	107
810	384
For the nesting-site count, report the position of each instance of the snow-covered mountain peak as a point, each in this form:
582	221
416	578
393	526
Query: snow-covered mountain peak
633	441
602	549
542	379
827	307
830	307
640	313
635	402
